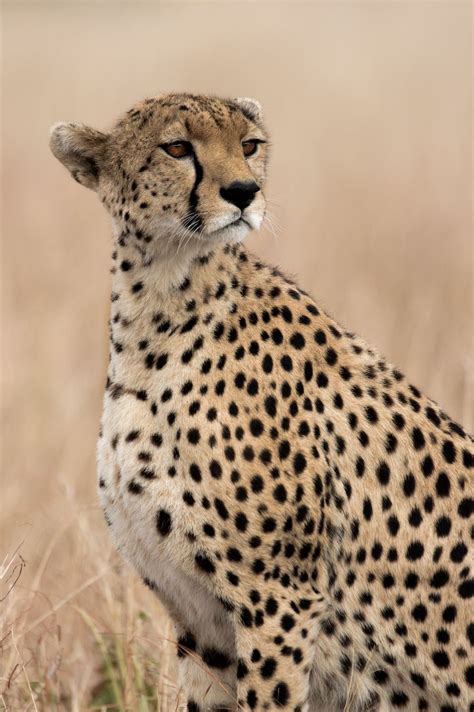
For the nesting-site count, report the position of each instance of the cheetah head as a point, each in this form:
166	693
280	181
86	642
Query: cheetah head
177	168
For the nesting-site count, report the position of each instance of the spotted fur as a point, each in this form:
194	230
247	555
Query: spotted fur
302	510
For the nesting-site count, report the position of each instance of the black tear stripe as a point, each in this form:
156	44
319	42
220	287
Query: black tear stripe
193	220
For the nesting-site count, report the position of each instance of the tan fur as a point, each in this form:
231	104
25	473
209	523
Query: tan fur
299	507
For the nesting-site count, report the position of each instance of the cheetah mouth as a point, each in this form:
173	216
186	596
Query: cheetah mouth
237	223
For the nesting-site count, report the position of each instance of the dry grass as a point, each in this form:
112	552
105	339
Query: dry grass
105	644
370	110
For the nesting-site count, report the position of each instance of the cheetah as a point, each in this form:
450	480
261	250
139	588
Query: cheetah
301	509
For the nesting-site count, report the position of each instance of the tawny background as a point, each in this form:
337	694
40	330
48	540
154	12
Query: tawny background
369	105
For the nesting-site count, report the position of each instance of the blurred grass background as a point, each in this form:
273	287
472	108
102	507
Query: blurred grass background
370	110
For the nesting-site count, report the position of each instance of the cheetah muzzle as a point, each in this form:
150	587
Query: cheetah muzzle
302	510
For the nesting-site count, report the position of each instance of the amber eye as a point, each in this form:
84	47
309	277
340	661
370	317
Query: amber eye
177	149
249	147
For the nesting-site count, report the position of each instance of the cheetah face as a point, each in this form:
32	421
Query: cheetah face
174	169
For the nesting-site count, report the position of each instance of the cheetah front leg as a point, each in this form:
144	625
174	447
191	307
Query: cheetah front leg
206	669
205	639
275	648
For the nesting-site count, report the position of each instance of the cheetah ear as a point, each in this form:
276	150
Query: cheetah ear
251	108
81	149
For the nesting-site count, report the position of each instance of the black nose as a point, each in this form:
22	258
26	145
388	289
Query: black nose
239	193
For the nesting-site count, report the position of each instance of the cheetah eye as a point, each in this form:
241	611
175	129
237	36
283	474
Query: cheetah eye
249	147
177	149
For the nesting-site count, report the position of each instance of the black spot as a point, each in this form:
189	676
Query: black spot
415	518
287	622
458	553
134	487
419	680
440	659
391	443
367	509
466	589
204	563
252	698
215	658
383	473
271	606
163	522
320	337
246	617
453	690
409	484
398	421
281	694
256	427
270	406
360	467
345	665
419	613
234	554
267	363
443	485
215	469
380	676
194	436
371	414
188	499
156	439
277	337
450	614
242	670
189	325
241	522
252	387
221	509
449	451
256	484
418	439
470	676
297	340
299	463
268	668
440	578
331	357
186	644
466	507
427	466
399	699
161	361
393	525
415	551
322	380
443	526
269	525
467	459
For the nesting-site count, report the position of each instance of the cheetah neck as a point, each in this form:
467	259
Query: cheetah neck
158	297
161	264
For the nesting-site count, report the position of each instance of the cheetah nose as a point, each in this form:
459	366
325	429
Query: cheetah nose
239	193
